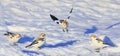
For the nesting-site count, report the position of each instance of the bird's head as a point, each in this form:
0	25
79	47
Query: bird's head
18	35
42	35
93	36
65	22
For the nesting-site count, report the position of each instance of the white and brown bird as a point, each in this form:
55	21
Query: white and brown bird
37	43
12	37
63	23
97	42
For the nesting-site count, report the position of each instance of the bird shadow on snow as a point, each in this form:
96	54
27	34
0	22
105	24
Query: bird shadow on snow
25	39
62	44
92	30
109	41
33	53
28	52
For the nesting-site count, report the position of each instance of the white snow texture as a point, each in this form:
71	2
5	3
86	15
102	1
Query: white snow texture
32	17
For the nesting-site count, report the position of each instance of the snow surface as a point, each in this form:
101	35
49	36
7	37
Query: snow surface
31	17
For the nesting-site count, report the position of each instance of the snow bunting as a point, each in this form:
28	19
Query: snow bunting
62	23
12	37
37	43
98	43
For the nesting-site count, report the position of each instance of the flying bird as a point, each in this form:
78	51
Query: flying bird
12	37
98	43
37	43
63	23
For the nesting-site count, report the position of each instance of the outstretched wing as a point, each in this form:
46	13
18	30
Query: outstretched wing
55	19
70	13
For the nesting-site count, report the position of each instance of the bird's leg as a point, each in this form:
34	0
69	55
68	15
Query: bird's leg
12	44
39	48
97	49
63	30
67	30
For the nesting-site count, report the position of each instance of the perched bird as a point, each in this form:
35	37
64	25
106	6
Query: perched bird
12	37
63	23
98	43
37	43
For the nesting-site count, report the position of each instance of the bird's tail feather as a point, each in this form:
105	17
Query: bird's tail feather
27	46
106	44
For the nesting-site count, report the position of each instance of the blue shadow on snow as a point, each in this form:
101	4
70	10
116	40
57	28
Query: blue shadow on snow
28	52
25	39
63	44
92	30
108	41
33	53
113	25
49	46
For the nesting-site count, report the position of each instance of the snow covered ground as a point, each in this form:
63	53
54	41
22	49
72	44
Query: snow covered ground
31	17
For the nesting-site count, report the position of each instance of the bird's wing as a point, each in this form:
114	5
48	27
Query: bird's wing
41	39
99	40
61	21
70	13
55	19
34	42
